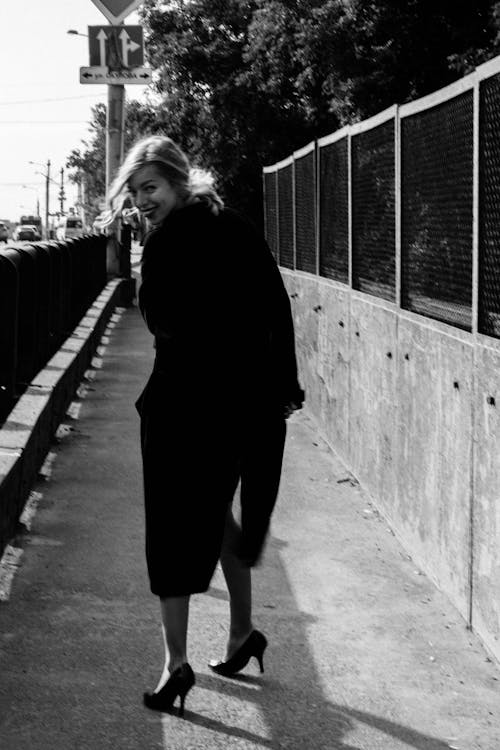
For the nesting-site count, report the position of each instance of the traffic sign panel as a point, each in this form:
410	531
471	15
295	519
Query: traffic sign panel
103	75
116	10
117	47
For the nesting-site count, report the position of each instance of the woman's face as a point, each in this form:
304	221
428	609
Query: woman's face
153	194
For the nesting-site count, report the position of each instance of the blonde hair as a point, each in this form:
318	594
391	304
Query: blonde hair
191	184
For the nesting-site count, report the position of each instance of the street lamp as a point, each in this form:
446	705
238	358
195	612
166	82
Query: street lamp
47	181
74	32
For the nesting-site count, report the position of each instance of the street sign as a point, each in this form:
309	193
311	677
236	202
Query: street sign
102	75
116	10
116	47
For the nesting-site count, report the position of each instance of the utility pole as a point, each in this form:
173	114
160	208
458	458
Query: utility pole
81	198
47	193
62	195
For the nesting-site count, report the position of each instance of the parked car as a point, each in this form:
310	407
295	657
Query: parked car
26	232
4	232
38	236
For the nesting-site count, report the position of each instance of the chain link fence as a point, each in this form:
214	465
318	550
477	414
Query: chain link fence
436	211
286	240
334	209
271	211
373	210
305	209
489	207
403	206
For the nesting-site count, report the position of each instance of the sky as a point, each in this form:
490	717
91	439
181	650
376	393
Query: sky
44	110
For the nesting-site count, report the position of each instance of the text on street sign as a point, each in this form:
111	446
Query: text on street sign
103	75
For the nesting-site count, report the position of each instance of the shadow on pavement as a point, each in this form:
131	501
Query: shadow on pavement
291	702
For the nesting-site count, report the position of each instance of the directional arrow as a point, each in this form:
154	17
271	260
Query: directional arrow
127	46
87	75
102	37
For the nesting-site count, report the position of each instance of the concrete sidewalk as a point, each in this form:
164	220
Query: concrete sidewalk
364	652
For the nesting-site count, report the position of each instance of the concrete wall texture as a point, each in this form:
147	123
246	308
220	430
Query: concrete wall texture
412	405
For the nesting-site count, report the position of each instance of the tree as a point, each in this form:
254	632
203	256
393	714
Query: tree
365	55
88	163
219	103
243	83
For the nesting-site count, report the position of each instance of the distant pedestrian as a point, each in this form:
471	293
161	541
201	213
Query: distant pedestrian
213	411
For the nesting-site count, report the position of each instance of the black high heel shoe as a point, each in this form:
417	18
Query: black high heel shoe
255	645
179	684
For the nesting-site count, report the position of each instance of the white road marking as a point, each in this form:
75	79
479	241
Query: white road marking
101	351
9	564
96	363
104	339
63	431
46	470
74	410
30	509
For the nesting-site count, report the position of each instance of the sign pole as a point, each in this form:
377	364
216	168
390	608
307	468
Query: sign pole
114	154
119	55
114	131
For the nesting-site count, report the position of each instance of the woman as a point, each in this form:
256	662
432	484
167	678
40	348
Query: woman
213	411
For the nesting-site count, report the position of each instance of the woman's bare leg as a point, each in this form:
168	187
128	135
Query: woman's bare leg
174	617
239	583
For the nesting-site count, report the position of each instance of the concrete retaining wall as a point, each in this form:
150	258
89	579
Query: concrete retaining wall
412	407
26	435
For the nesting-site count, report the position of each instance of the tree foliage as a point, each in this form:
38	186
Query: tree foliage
217	104
242	83
88	163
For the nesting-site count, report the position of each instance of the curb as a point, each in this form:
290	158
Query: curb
26	435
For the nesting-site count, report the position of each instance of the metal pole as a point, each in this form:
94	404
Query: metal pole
47	188
114	131
61	192
114	155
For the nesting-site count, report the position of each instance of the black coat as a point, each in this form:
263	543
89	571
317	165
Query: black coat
212	410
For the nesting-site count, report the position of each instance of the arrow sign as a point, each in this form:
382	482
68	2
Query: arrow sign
118	47
101	38
116	10
127	46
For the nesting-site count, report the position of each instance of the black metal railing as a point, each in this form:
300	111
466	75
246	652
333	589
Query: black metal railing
45	290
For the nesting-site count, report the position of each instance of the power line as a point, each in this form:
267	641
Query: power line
42	122
43	101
